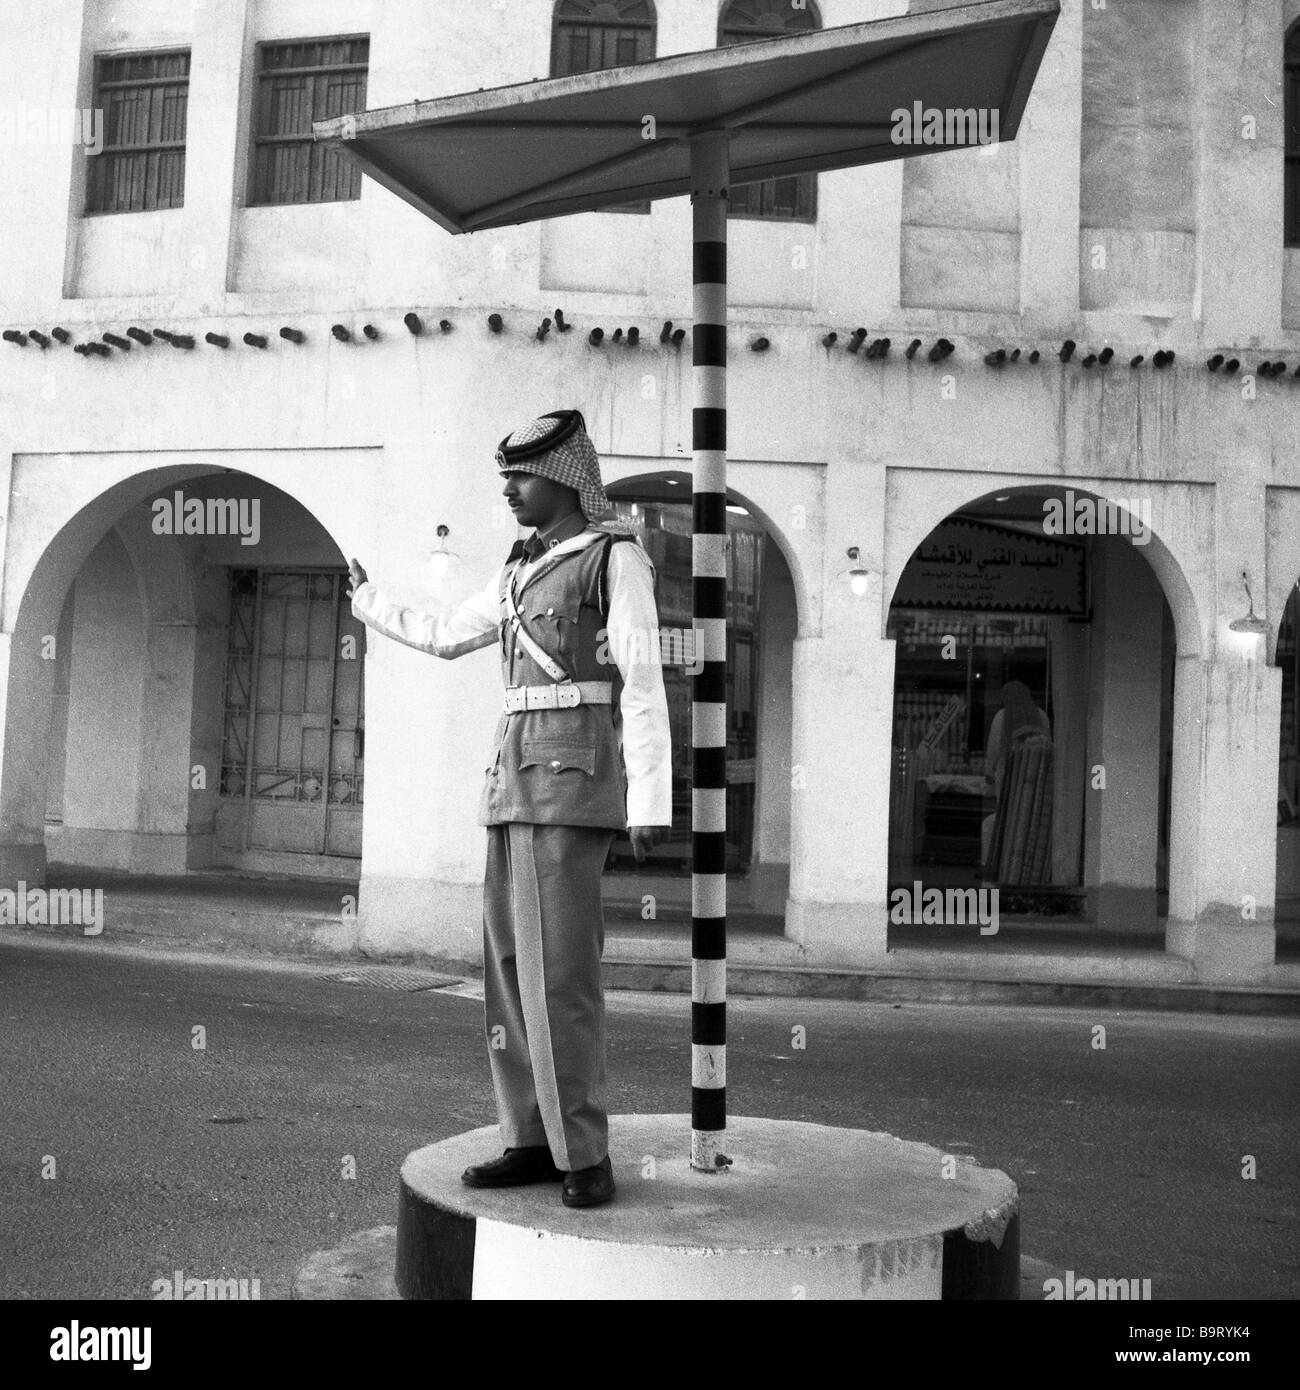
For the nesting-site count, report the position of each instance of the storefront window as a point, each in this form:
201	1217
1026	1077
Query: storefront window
664	528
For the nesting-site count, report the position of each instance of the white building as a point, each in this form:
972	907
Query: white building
182	701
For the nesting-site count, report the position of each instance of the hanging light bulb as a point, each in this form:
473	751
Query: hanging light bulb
859	577
440	559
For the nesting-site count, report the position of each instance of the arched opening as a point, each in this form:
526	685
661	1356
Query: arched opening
761	627
1034	712
186	688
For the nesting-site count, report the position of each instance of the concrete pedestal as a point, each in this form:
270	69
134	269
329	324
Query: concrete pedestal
805	1211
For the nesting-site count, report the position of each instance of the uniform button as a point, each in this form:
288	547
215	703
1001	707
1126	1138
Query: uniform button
556	765
550	612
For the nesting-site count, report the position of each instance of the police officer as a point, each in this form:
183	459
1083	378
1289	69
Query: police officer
582	751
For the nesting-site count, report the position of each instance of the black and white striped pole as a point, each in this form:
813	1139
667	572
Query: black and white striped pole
709	174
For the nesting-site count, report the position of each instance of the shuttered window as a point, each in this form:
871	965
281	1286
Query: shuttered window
298	83
792	199
144	97
591	34
1292	106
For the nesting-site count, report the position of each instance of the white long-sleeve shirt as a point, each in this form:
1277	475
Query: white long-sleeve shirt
632	630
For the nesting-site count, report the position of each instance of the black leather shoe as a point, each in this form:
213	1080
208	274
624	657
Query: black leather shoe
515	1168
589	1187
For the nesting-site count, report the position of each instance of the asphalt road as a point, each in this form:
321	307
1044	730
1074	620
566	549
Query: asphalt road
233	1160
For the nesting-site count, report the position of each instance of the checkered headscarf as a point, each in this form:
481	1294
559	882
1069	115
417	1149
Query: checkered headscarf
557	446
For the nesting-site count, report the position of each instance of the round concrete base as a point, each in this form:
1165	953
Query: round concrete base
804	1211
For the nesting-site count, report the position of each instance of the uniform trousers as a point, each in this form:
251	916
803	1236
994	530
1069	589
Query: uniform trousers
544	1006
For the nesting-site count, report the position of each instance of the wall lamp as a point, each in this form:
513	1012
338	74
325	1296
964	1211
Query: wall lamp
859	577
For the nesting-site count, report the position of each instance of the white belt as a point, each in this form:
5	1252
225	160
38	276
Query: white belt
563	695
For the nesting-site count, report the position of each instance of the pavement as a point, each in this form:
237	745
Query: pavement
227	1115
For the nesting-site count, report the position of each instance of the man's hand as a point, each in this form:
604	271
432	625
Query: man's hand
356	576
644	838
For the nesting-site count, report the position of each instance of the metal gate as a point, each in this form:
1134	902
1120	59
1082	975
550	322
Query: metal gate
294	733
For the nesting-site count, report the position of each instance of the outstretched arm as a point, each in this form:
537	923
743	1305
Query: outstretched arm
469	627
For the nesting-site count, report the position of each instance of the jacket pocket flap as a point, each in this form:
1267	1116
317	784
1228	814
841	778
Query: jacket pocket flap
558	756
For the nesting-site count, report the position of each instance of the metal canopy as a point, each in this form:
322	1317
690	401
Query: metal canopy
789	105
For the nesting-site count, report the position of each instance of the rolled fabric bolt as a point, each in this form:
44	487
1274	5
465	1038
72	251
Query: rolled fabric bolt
633	336
1067	350
118	342
996	358
495	322
666	332
882	347
830	340
162	335
414	323
1279	368
855	342
61	334
936	353
760	345
1158	358
1265	369
139	335
1090	360
38	338
618	335
1296	373
293	335
1015	355
255	340
1136	361
1215	362
912	348
1105	355
1033	356
12	335
370	331
1231	365
79	349
182	340
341	333
596	337
217	340
543	329
445	325
679	335
1169	356
946	347
561	323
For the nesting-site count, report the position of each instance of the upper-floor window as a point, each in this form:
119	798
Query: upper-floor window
793	198
590	34
298	83
1292	107
144	97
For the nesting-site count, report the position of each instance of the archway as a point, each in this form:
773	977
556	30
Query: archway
1287	656
184	687
762	623
1046	606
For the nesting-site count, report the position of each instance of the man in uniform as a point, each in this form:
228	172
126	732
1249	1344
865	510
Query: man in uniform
582	751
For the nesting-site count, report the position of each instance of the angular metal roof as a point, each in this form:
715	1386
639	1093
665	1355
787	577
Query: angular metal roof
820	100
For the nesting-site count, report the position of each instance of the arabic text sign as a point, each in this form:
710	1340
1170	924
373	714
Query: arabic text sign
970	565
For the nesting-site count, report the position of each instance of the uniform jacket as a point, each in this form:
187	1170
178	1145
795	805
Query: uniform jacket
594	765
